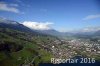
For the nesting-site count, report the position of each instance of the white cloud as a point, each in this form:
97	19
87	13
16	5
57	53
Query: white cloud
38	25
91	17
90	29
7	7
85	29
15	5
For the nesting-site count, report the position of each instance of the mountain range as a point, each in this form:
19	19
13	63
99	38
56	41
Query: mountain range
5	23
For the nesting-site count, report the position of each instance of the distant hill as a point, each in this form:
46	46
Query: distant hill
97	33
5	23
51	32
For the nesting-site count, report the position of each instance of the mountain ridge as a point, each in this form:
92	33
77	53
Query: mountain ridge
5	23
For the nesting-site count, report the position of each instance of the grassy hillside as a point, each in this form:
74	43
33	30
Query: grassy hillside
19	48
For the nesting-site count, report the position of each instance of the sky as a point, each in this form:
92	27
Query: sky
62	15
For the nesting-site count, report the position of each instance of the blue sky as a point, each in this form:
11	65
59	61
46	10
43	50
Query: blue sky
64	15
